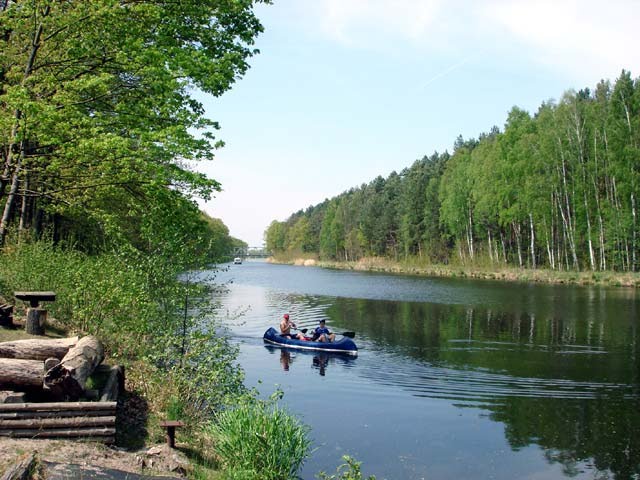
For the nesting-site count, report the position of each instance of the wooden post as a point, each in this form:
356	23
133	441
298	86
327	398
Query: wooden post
36	319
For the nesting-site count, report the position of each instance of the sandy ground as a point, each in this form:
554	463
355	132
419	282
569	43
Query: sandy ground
156	460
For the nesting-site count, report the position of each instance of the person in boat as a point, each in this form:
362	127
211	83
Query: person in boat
322	333
285	328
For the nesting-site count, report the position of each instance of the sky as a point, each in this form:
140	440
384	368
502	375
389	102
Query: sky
346	90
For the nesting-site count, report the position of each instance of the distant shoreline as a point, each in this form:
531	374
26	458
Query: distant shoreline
508	274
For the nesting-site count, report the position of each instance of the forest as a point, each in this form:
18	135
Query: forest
99	130
556	190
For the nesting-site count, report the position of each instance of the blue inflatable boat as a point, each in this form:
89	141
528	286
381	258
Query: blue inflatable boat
344	345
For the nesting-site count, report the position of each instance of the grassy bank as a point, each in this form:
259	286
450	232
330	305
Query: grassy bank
154	319
509	274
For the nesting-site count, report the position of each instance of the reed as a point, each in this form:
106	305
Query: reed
260	440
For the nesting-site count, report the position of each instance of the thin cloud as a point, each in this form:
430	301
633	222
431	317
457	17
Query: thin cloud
579	38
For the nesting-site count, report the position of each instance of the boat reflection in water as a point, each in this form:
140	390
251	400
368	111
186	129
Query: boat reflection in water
319	360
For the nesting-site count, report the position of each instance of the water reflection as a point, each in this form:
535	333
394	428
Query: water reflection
566	383
318	360
555	367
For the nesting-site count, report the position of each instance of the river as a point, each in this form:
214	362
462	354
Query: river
454	378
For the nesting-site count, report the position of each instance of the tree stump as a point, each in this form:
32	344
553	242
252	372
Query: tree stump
36	319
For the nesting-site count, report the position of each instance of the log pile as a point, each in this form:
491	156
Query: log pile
56	371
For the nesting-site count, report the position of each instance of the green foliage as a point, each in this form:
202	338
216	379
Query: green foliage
260	440
350	470
558	189
97	121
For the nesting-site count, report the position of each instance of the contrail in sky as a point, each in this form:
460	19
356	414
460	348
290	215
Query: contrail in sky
446	72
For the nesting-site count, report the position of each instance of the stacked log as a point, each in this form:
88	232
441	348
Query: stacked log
37	349
95	420
58	368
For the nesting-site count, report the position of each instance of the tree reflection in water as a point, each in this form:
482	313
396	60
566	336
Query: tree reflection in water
563	375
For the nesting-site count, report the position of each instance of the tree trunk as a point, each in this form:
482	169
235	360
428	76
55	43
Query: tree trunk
516	231
35	47
34	349
21	373
533	241
69	377
633	233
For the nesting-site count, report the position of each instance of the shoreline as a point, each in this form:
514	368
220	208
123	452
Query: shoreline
504	274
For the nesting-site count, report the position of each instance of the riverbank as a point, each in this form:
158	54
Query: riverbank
508	274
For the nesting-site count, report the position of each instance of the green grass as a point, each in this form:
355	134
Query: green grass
260	441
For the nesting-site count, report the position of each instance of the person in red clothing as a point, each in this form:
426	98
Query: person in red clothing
285	328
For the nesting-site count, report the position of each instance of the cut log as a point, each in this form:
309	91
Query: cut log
49	363
59	407
21	373
47	423
21	470
59	432
68	379
58	414
36	349
11	397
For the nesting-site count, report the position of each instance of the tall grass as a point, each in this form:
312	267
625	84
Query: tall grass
261	441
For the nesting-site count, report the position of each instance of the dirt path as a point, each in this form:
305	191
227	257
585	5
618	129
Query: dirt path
96	460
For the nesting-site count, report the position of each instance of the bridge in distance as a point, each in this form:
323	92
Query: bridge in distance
250	252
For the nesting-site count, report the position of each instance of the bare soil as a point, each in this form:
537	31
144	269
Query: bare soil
157	460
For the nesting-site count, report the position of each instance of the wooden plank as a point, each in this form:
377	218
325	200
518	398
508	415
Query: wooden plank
57	406
48	423
35	296
59	433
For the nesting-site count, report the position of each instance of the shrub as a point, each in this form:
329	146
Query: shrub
350	470
260	440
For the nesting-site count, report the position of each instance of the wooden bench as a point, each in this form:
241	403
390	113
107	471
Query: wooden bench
36	317
34	298
170	426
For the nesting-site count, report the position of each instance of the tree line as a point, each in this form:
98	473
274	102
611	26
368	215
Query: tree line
99	129
557	189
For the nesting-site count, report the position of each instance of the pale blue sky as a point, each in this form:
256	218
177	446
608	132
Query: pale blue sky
346	90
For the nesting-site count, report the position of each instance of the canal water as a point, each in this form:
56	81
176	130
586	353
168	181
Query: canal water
454	378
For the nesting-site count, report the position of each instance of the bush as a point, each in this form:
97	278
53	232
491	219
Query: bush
259	440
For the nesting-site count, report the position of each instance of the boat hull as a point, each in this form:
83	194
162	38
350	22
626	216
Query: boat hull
344	346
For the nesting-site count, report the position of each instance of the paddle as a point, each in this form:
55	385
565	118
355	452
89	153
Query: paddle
344	334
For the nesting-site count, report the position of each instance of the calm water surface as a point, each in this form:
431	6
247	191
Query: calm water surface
454	379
